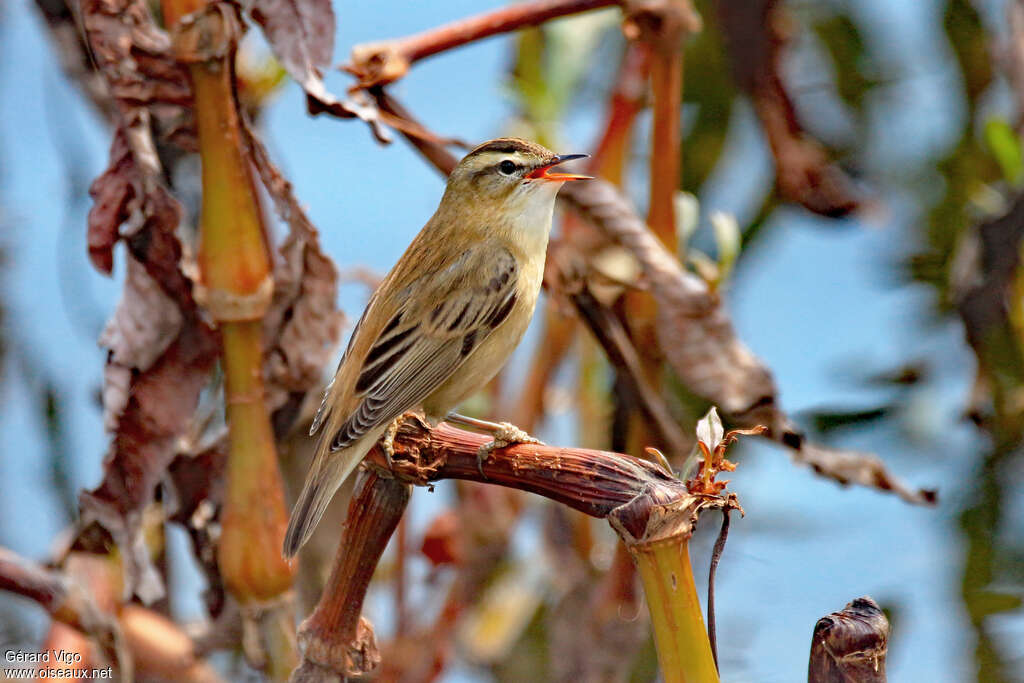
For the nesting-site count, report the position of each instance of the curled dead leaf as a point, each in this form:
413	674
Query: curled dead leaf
159	407
160	352
134	55
144	324
111	193
301	34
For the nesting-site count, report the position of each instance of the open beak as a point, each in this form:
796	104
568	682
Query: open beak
544	172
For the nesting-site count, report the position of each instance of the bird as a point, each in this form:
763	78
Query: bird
443	321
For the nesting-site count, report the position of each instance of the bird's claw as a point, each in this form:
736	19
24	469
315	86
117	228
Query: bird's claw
506	435
387	442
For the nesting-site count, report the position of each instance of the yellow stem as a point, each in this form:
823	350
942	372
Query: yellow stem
255	516
233	255
235	288
684	651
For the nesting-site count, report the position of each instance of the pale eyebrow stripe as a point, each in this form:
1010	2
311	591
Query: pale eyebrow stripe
494	167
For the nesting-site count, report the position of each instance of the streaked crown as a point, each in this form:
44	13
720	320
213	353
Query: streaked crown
511	146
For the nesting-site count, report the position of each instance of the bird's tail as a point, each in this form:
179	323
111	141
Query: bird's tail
329	471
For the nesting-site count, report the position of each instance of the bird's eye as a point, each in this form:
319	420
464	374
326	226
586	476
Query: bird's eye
508	167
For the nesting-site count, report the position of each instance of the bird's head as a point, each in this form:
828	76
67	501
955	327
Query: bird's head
513	174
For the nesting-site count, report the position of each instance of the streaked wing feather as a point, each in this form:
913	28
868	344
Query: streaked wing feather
325	404
414	354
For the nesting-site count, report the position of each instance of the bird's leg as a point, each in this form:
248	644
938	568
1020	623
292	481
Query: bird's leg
387	442
504	433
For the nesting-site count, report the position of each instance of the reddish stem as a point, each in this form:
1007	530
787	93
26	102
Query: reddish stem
485	25
401	625
626	103
666	144
334	636
594	482
386	61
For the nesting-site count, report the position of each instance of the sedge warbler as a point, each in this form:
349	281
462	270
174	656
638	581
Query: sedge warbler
444	320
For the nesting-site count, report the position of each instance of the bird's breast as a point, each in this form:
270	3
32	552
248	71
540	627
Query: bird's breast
487	359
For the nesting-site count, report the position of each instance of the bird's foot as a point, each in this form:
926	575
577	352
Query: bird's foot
505	434
387	442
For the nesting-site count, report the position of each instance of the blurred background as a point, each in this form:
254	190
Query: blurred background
855	315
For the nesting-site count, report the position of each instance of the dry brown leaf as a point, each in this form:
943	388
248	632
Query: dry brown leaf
195	484
303	324
112	193
159	406
128	196
134	55
301	33
161	353
864	469
144	324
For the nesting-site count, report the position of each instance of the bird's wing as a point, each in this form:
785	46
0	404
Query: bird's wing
445	316
325	403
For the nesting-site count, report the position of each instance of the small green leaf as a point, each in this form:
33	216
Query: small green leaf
1006	147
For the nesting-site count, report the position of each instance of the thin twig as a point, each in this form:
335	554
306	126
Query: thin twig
427	145
384	62
716	555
